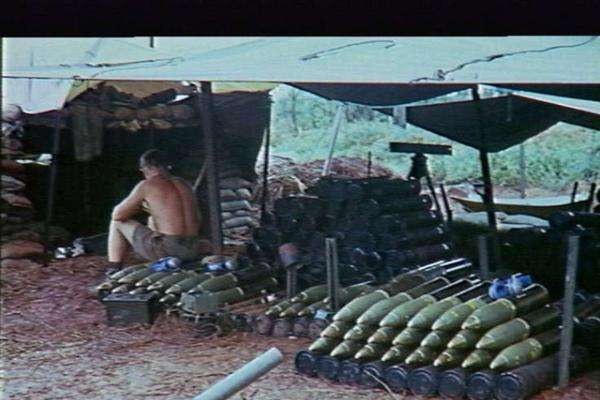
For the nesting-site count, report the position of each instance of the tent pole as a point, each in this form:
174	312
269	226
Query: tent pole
52	186
265	182
212	173
335	129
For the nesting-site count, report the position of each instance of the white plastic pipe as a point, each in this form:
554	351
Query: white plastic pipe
243	377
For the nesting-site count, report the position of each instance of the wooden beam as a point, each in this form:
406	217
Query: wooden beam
212	172
424	148
52	186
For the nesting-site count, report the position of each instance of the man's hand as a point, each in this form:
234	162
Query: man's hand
131	205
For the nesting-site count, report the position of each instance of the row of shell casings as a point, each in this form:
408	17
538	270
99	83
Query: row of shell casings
168	286
451	383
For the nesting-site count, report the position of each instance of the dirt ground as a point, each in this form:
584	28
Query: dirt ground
55	345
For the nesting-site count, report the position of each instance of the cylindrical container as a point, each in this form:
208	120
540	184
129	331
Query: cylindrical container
282	327
481	384
396	377
327	368
305	363
300	327
525	381
452	383
315	327
349	372
263	325
424	381
371	376
324	345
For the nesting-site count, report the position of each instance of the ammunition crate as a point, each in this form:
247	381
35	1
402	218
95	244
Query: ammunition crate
126	309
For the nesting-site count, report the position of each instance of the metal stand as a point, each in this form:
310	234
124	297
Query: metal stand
291	280
335	130
484	258
566	333
333	277
52	187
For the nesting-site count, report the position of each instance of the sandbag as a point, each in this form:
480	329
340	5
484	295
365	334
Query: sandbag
244	213
21	249
10	184
18	263
240	230
228	195
234	183
235	205
16	200
22	235
244	194
12	167
11	143
239	221
226	215
11	113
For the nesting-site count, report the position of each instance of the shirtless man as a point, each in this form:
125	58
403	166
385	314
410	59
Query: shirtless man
174	217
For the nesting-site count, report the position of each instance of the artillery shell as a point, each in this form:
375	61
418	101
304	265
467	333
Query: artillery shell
135	276
188	283
323	345
149	280
169	298
436	339
360	332
121	289
311	295
464	340
292	311
138	290
450	358
427	316
422	356
125	271
351	311
504	335
336	329
167	281
346	349
397	354
410	337
278	308
518	354
310	310
371	351
374	314
217	283
400	315
452	319
383	335
478	359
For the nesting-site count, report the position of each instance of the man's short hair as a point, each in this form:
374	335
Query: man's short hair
154	158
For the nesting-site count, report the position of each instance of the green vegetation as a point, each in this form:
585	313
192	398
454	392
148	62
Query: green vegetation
301	129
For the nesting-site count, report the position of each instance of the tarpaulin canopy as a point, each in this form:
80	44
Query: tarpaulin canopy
497	123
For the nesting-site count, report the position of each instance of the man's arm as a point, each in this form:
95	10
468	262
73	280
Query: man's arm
131	205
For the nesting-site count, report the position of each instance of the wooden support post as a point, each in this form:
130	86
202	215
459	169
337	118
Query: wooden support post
52	186
291	280
265	182
335	129
566	333
446	204
212	171
484	258
333	278
522	171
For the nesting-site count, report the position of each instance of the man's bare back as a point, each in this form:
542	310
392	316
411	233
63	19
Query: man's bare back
172	206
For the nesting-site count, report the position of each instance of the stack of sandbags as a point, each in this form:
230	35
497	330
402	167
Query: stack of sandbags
239	215
18	240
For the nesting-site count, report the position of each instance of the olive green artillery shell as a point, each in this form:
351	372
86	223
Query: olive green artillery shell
450	358
228	296
336	330
135	276
324	345
138	290
504	335
346	349
351	292
465	339
518	354
410	337
124	288
478	359
311	309
217	283
452	319
106	285
189	283
383	335
149	280
278	308
427	316
351	311
422	356
360	332
292	311
437	339
374	314
166	282
371	351
399	316
169	298
126	271
397	354
311	295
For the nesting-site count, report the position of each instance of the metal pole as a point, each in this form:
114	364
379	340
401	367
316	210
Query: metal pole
291	281
332	272
446	204
566	333
574	192
52	186
212	173
433	195
484	260
265	182
243	377
335	129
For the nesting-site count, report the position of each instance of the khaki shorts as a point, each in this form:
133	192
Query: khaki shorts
155	245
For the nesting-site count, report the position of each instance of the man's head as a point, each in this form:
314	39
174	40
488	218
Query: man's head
153	162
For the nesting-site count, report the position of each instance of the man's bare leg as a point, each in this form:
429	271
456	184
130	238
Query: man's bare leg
120	235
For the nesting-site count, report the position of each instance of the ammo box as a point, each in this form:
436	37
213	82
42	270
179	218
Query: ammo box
125	308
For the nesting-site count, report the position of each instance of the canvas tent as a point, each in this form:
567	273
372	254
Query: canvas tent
390	71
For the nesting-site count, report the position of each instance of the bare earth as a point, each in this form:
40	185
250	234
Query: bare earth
55	345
